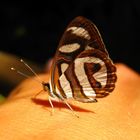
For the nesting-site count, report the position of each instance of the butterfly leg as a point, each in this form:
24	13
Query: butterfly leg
70	108
52	111
63	100
38	93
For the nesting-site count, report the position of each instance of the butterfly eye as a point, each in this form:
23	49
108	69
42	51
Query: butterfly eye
46	85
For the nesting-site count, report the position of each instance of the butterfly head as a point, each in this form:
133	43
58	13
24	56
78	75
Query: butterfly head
46	86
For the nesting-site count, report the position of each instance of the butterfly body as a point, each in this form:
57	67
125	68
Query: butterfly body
82	68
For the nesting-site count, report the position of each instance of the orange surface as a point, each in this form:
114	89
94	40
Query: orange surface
116	117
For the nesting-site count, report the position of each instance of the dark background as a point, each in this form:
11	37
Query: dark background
33	30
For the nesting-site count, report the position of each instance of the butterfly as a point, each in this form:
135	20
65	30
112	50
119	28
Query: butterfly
81	69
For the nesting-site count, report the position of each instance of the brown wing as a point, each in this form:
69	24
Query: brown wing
80	38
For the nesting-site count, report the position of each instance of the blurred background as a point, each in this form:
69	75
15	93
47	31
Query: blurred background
32	31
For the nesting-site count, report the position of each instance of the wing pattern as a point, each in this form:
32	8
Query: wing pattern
82	68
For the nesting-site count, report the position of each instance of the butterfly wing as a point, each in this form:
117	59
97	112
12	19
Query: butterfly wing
83	32
82	68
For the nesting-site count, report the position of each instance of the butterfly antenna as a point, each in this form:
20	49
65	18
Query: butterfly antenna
39	79
23	74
